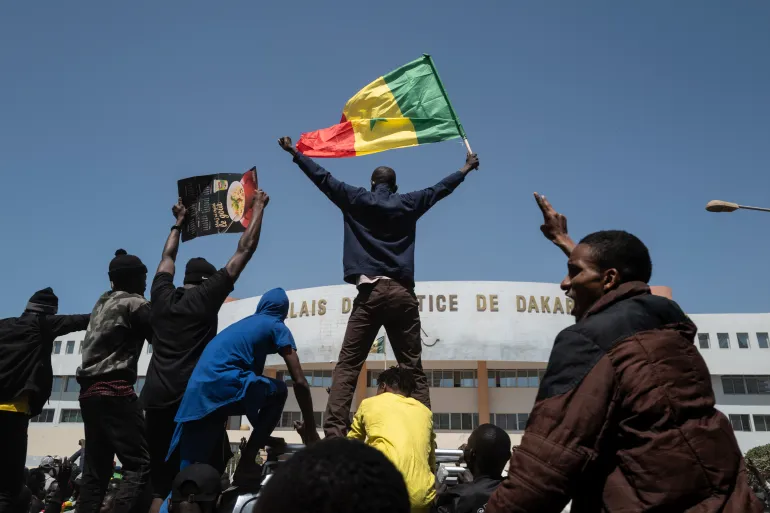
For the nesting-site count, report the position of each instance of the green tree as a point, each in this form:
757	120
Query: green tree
758	463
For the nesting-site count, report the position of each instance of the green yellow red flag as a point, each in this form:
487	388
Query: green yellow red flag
406	107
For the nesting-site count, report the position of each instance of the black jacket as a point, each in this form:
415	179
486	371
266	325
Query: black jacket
26	343
380	226
468	497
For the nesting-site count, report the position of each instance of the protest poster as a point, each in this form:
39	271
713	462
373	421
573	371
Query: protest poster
219	203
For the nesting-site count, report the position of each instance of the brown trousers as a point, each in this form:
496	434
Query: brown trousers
384	303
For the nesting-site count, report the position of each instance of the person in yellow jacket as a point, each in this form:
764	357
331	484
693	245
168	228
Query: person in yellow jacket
401	428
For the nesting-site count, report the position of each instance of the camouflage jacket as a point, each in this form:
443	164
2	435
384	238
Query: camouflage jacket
120	323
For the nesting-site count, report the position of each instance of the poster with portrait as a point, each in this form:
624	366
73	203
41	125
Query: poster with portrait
218	203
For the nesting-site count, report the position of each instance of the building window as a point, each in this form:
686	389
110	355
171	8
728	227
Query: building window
739	385
724	340
149	348
740	422
140	384
70	347
762	340
80	348
57	346
451	378
71	416
703	340
285	377
314	378
455	421
321	378
72	385
57	383
372	375
762	422
509	421
522	378
45	416
234	422
743	340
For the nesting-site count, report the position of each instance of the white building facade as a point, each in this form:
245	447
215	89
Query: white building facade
485	348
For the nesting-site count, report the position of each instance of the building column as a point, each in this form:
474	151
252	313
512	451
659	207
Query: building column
360	388
482	391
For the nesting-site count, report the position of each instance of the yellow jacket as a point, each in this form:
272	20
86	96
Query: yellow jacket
402	429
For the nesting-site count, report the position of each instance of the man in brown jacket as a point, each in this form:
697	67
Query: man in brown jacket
624	420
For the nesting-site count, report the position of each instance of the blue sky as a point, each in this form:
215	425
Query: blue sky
626	115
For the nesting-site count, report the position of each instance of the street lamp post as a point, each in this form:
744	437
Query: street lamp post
728	206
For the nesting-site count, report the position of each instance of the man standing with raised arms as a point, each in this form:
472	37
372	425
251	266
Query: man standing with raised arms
184	321
378	258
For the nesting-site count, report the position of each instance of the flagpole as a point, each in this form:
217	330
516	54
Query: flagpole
460	128
385	353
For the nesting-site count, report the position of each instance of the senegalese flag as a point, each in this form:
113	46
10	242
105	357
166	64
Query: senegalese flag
406	107
379	346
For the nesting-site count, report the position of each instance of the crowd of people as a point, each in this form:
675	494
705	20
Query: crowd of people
624	419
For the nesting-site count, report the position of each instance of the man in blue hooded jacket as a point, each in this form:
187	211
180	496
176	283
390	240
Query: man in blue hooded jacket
228	381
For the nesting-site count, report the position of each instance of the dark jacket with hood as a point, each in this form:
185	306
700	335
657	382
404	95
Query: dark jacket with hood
624	420
26	344
380	226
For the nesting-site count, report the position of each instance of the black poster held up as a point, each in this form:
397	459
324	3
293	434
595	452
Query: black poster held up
218	203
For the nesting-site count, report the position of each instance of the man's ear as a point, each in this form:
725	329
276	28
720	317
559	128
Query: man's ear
611	279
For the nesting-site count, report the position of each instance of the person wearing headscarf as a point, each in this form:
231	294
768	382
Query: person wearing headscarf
228	381
112	418
184	320
26	344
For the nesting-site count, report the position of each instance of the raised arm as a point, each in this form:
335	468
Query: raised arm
423	200
341	194
248	242
307	428
554	226
168	258
64	324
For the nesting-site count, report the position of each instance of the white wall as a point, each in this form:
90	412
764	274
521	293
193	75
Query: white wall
508	338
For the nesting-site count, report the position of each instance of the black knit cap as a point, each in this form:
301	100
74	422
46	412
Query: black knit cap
198	270
196	483
44	301
124	264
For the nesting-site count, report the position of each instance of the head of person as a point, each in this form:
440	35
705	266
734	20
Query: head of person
335	475
128	273
43	302
48	465
196	489
600	263
82	442
396	381
197	271
384	175
487	451
274	303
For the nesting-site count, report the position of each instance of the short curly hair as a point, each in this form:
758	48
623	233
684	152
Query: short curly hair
398	379
336	475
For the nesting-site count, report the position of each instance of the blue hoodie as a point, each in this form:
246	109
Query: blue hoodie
235	358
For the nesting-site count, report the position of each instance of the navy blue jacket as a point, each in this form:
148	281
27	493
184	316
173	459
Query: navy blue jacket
380	226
